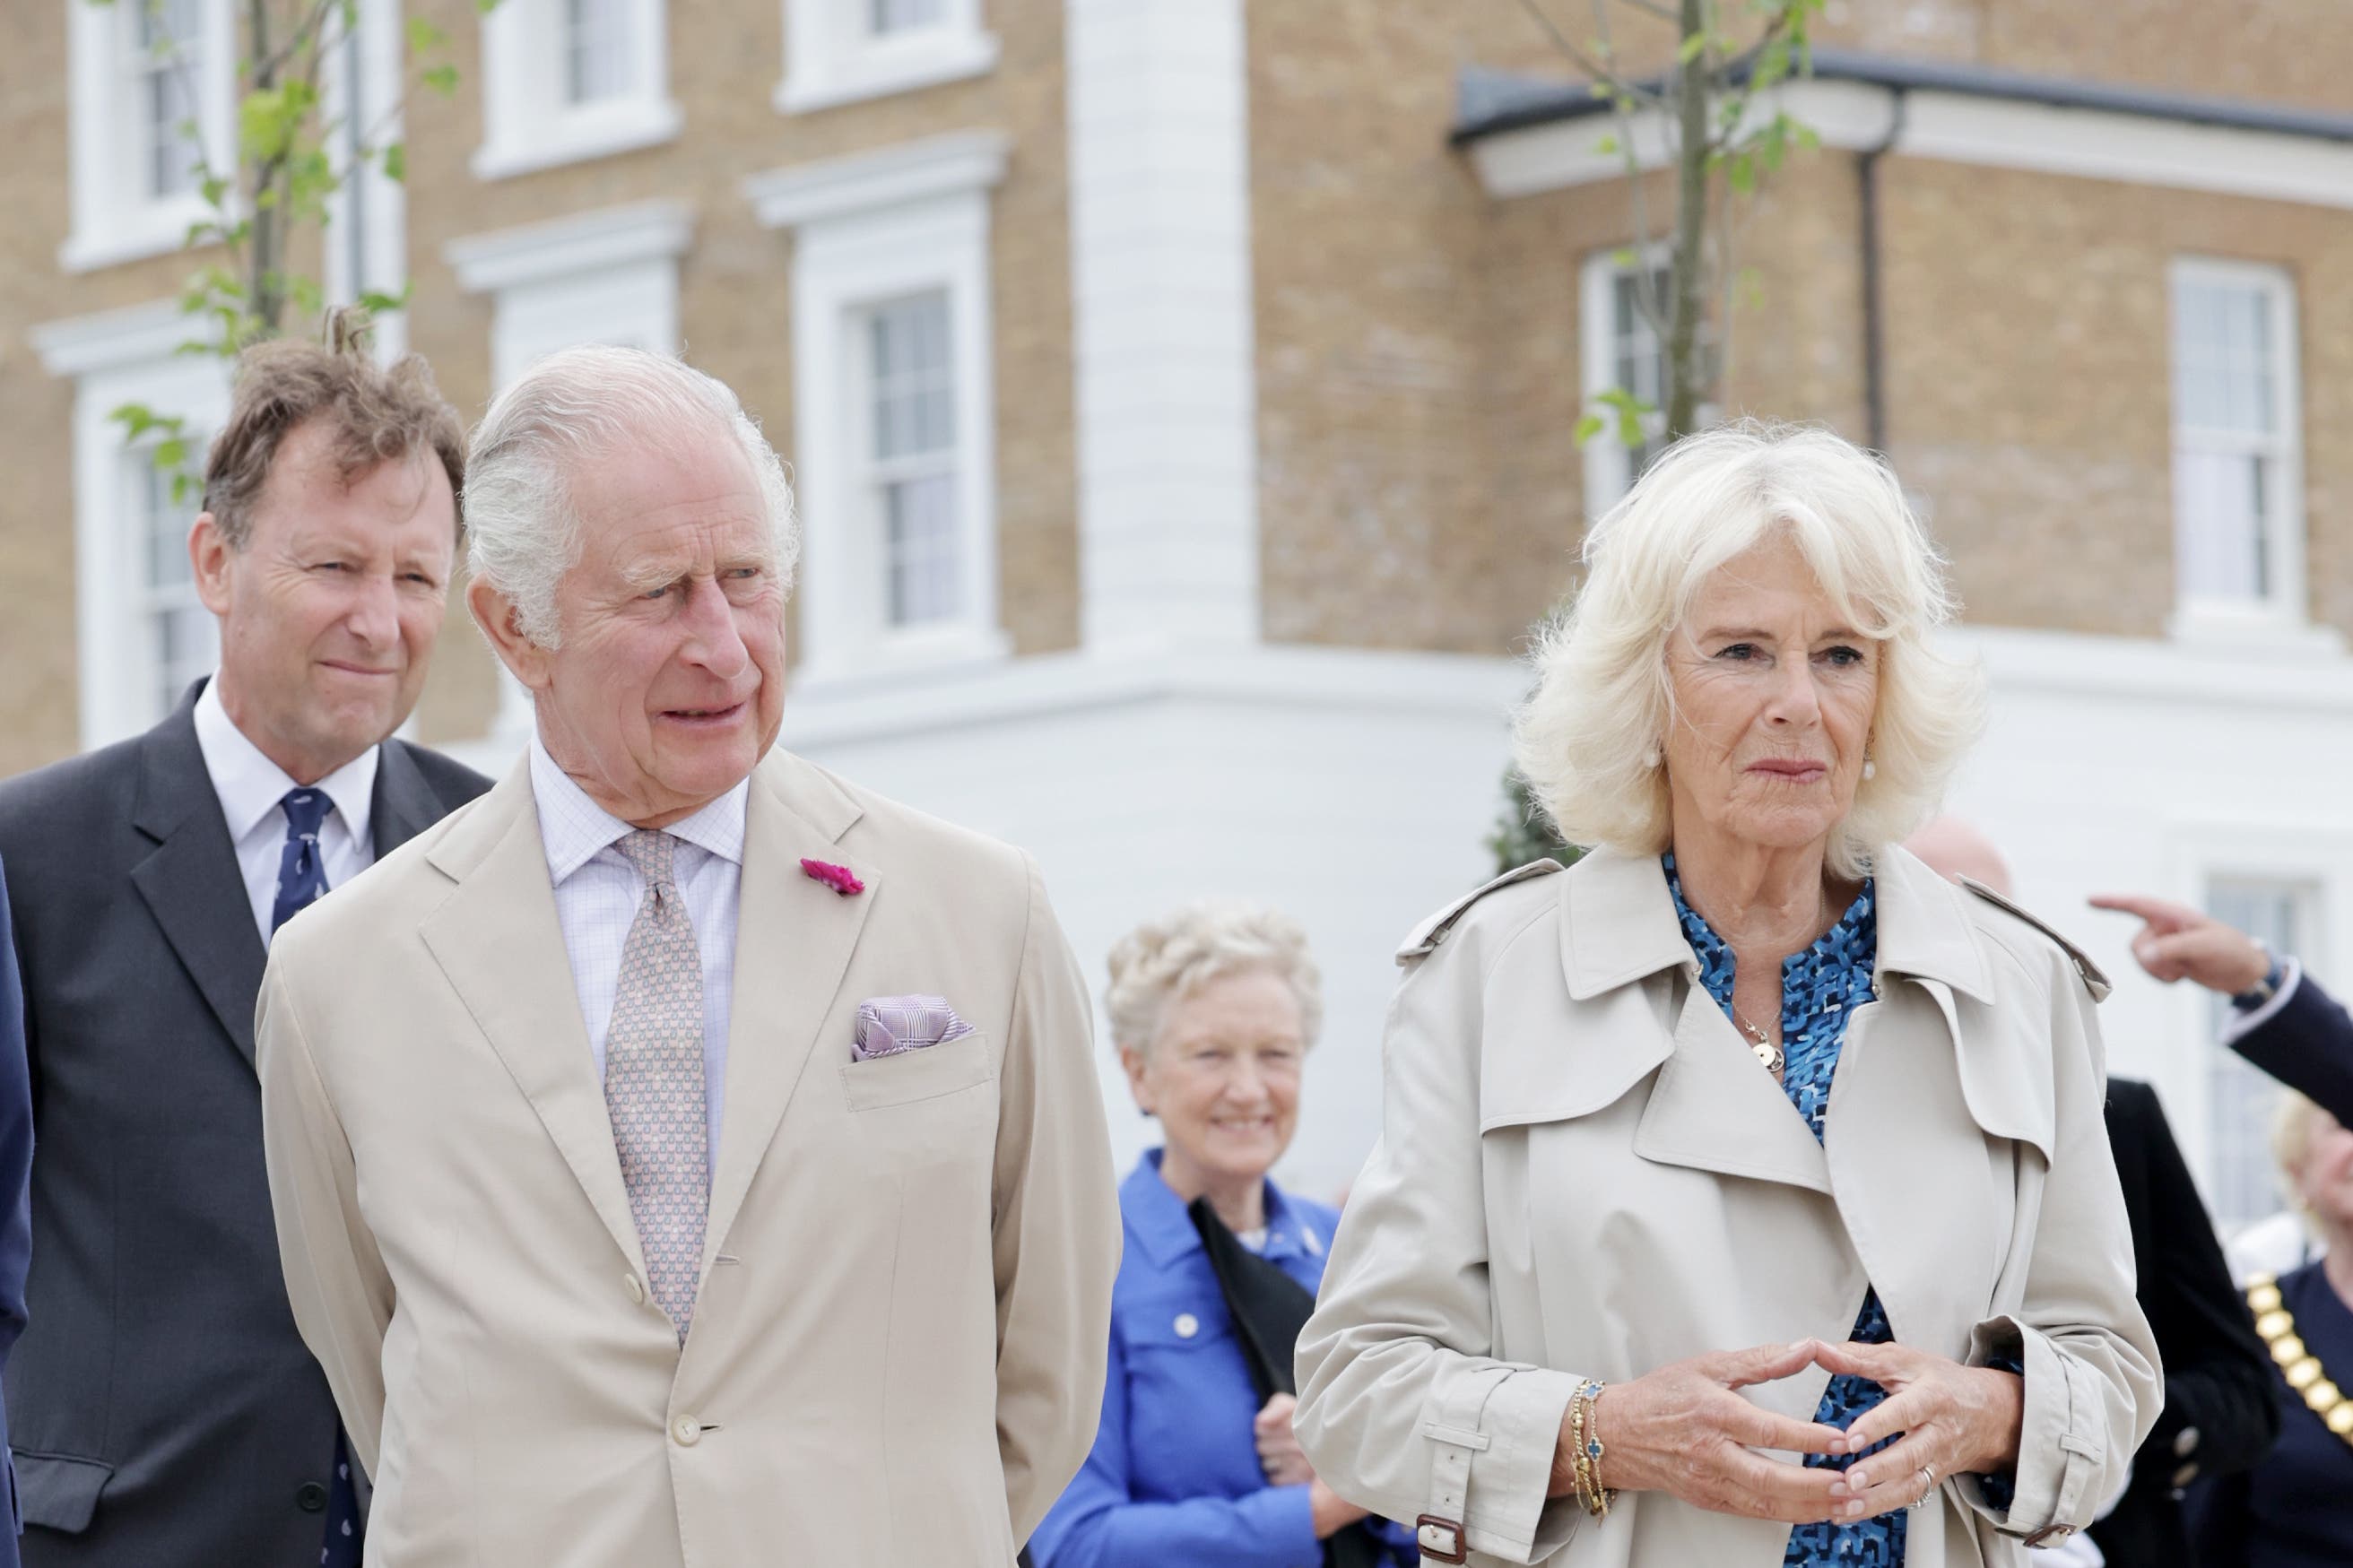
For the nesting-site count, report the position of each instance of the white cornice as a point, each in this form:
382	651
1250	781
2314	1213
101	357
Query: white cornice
111	340
643	231
960	162
2084	144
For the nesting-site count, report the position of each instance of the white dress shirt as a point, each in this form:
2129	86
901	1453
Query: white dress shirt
597	892
251	789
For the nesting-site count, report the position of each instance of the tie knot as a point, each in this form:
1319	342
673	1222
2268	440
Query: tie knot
651	851
305	809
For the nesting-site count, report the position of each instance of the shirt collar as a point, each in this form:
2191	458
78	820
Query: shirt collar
250	785
1156	1215
575	829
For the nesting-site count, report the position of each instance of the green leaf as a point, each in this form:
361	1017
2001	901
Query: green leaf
1625	259
486	6
377	303
182	483
1741	170
395	162
442	79
1694	46
424	38
172	452
136	419
1607	145
1587	428
215	190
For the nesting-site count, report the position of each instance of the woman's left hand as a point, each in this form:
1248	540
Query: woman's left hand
1279	1453
1953	1419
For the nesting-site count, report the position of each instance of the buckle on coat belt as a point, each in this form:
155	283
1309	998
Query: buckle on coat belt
1440	1539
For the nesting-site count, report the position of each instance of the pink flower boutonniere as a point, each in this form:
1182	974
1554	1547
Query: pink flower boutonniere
840	878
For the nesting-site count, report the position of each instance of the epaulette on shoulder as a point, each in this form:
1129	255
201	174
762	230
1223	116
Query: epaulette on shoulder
2093	980
1423	939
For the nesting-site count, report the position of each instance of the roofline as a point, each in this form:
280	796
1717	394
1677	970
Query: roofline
1576	100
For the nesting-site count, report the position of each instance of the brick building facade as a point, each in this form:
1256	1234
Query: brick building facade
1178	393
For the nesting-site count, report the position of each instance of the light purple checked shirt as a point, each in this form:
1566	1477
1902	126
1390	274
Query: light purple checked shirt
596	897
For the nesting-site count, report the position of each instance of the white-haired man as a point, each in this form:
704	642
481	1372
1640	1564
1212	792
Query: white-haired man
684	1156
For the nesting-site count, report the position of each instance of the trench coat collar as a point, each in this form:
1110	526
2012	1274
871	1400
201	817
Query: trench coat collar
1619	924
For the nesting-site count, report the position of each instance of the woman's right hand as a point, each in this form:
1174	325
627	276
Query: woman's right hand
1683	1430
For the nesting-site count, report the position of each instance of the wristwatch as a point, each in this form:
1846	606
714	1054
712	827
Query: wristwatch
2263	990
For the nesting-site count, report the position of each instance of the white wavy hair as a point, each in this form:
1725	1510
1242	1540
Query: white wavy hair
523	521
1602	700
1165	960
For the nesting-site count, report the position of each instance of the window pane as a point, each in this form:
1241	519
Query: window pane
2225	366
921	521
2242	1101
183	638
2219	546
167	33
913	378
899	16
595	50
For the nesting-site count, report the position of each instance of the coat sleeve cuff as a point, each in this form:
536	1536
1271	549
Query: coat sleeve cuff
1510	1442
2061	1443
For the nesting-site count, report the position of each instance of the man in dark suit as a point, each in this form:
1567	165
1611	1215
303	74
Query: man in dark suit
2219	1417
16	1179
2283	1021
165	1410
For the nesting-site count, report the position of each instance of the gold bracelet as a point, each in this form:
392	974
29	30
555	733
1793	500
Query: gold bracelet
1587	1430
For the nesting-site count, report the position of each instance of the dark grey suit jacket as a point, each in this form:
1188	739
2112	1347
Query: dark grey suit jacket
163	1408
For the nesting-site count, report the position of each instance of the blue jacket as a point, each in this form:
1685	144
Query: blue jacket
1172	1479
16	1188
2304	1039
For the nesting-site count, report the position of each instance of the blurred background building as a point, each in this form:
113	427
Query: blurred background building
1179	396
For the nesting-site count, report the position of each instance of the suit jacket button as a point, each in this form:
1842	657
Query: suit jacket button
310	1497
687	1430
635	1288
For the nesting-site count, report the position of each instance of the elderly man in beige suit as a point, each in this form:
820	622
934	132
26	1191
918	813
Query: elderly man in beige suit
683	1156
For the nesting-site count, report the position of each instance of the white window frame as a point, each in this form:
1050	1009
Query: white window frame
868	230
113	220
2282	611
367	239
121	356
1608	466
527	124
607	277
831	56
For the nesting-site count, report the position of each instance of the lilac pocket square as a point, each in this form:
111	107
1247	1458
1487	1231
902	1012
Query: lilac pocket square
888	1024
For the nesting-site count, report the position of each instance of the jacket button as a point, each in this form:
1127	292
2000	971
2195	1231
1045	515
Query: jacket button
1186	1325
310	1497
635	1288
687	1430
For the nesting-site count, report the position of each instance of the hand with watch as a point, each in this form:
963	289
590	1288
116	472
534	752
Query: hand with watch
2178	942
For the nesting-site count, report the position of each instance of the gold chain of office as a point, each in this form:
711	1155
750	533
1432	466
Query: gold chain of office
2297	1364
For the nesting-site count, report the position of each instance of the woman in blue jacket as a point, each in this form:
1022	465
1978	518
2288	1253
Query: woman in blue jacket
1213	1011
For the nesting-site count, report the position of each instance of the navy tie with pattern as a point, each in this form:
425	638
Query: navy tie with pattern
302	882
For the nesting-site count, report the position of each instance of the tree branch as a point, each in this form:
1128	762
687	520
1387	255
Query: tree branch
1601	73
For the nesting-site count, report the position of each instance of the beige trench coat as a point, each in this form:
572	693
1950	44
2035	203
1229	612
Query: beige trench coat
1582	1171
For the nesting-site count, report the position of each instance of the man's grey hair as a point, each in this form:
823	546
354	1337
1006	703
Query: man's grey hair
523	520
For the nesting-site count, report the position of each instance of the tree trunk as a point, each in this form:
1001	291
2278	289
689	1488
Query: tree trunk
1685	374
265	263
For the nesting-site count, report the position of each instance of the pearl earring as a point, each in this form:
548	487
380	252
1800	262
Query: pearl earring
1651	758
1870	768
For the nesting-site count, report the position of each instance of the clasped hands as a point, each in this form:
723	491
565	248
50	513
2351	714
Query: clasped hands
1685	1429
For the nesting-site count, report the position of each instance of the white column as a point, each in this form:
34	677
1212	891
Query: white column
1166	396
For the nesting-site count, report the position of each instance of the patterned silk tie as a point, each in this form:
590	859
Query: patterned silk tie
653	1080
302	883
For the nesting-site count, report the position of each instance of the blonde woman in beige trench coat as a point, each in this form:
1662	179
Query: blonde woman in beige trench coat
1588	1174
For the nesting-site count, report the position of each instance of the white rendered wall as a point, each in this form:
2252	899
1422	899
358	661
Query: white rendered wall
1164	343
1352	790
2117	765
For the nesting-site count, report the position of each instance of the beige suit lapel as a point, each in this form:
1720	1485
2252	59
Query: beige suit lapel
793	936
498	942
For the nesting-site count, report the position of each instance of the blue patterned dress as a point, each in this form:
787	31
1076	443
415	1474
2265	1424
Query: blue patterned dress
1820	988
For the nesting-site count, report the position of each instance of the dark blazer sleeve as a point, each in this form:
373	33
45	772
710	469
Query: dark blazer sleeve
2218	1376
2307	1045
16	1157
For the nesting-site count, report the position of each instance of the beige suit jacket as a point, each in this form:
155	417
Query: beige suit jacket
897	1352
1582	1171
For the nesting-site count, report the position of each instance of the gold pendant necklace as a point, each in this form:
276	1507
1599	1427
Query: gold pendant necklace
1760	1044
2297	1363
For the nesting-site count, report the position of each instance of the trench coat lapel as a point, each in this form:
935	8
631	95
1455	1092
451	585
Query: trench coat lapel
1713	1107
794	937
498	940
